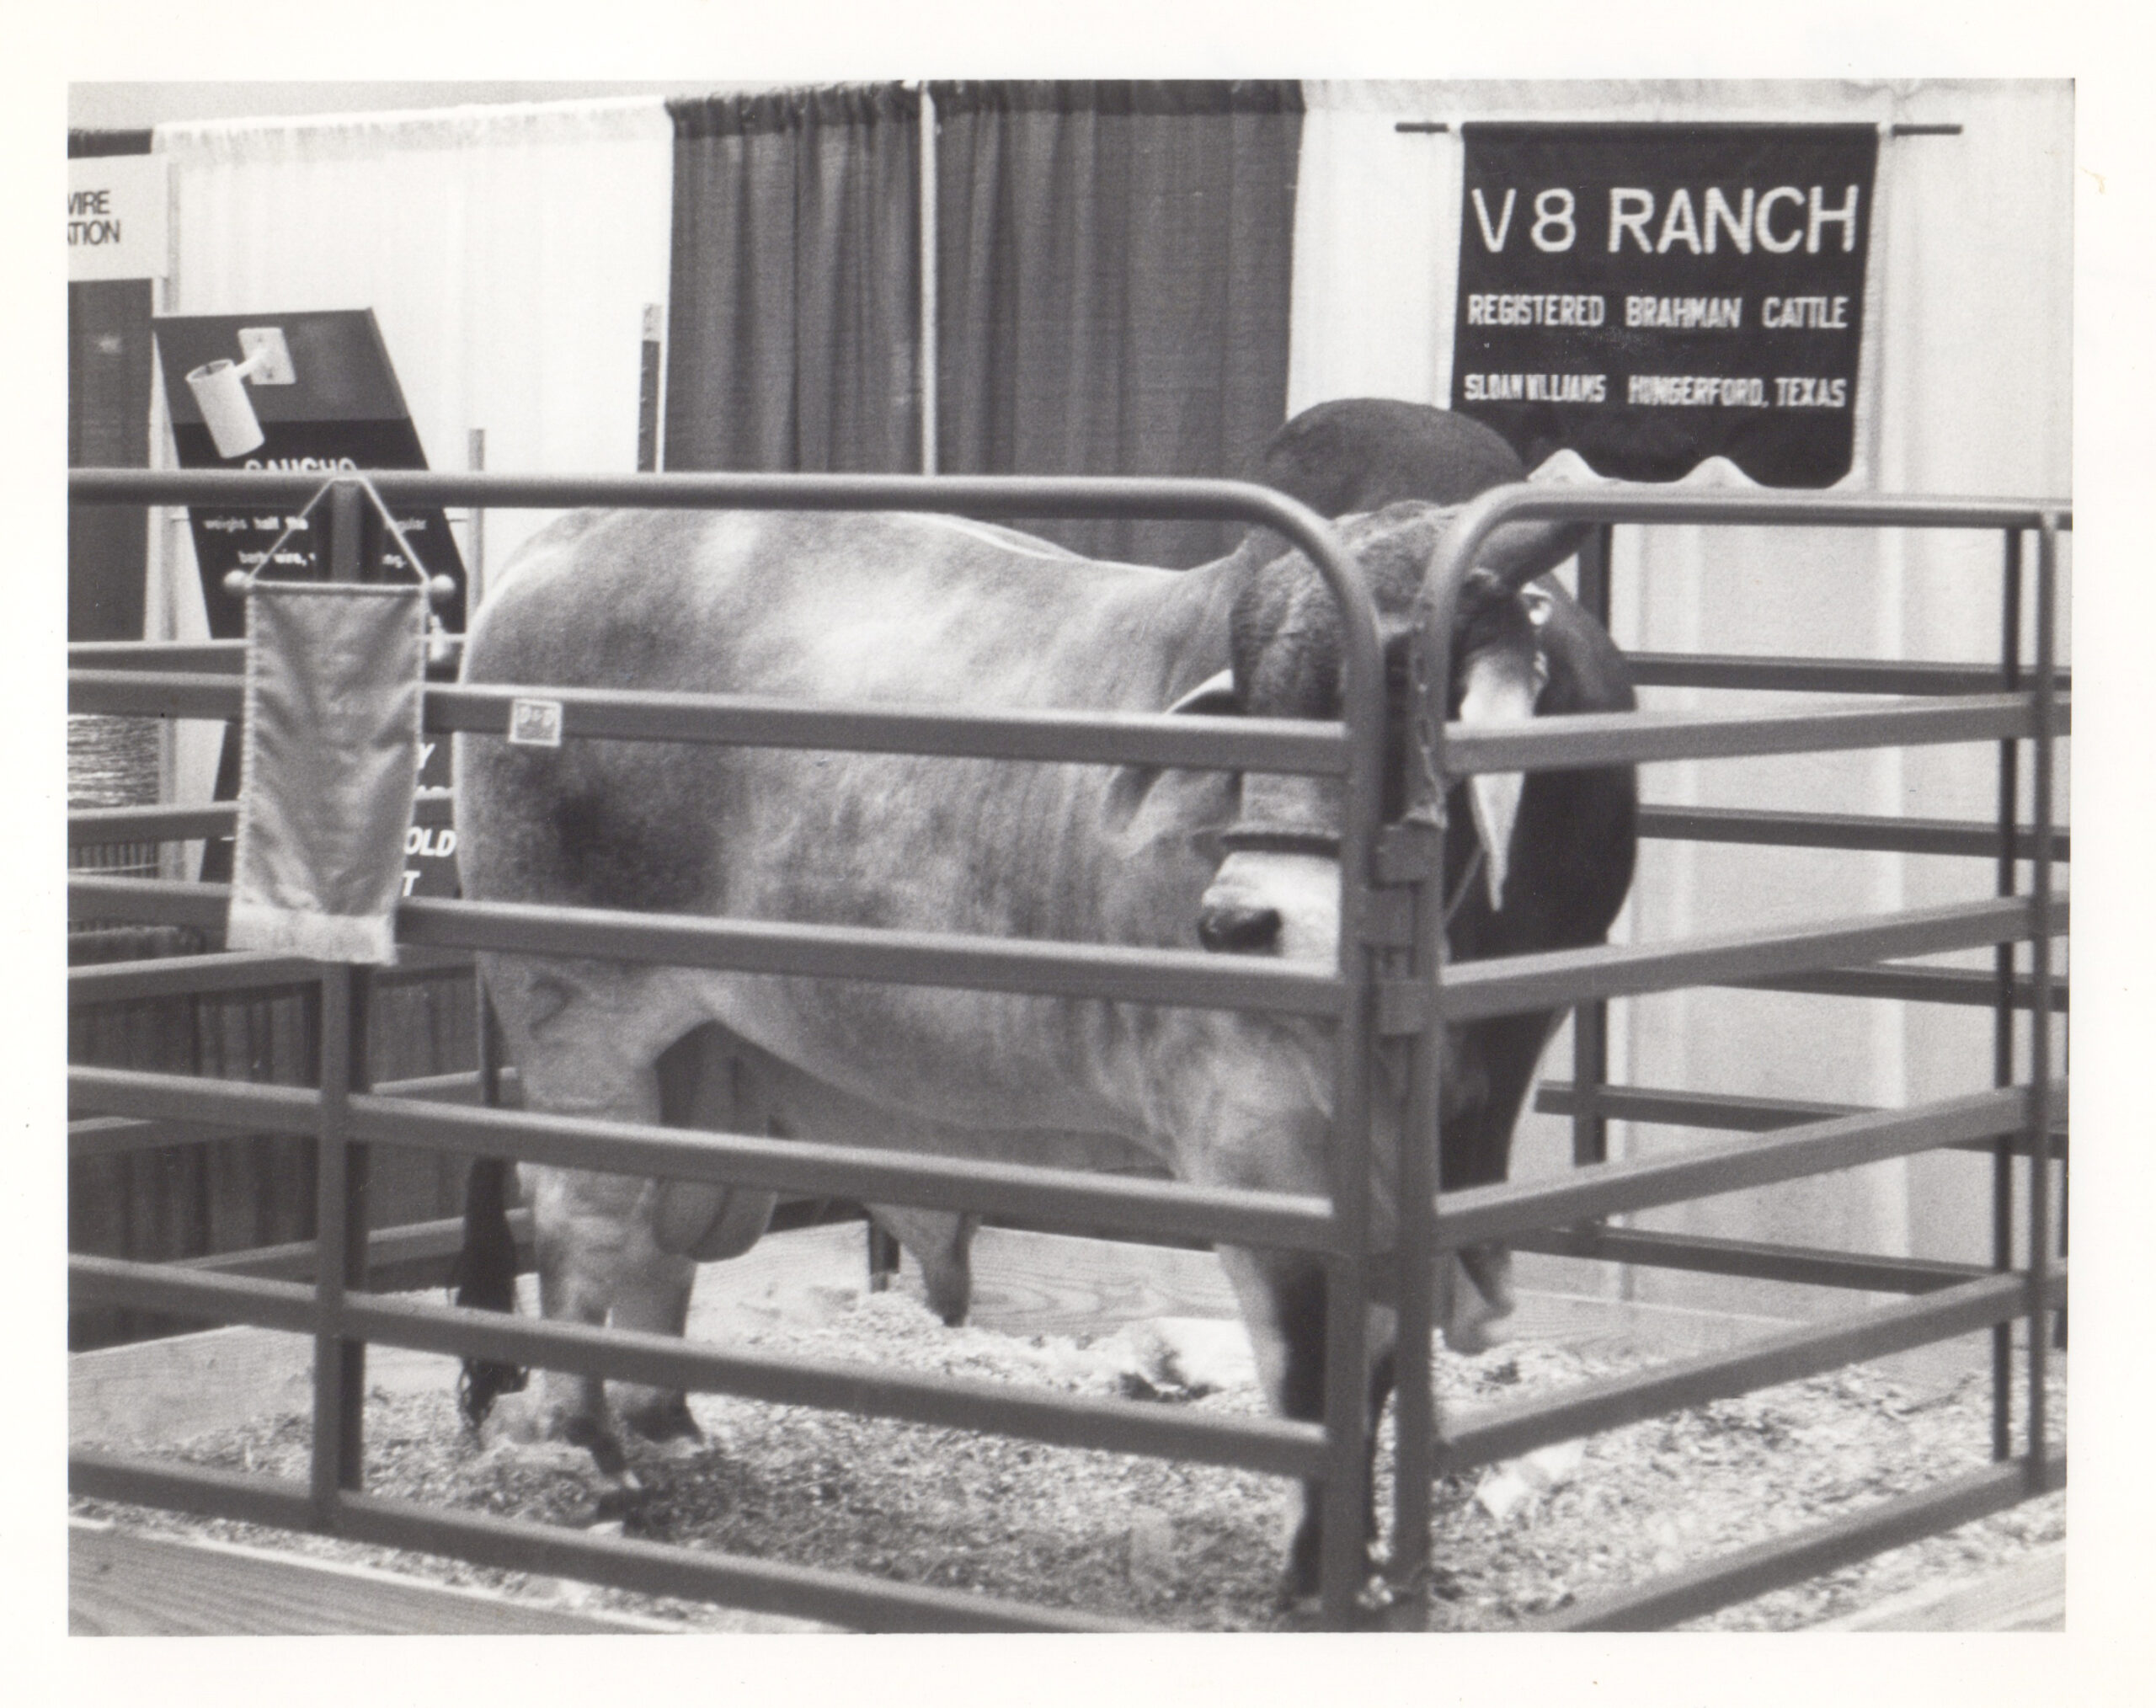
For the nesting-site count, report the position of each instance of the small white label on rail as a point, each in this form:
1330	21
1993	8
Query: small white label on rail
534	723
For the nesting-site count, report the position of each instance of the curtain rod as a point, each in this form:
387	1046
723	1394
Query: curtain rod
1430	126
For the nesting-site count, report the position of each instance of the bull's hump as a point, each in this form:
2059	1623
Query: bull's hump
939	609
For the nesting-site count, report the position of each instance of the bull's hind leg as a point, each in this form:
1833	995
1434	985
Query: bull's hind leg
698	1084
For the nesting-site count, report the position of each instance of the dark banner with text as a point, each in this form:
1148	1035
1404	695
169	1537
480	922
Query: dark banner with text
340	408
1650	295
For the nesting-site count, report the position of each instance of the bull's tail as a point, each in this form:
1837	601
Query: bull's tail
485	1280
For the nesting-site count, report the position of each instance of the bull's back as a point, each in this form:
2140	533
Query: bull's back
897	608
917	610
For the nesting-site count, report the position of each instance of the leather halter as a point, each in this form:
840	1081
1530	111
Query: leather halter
1281	839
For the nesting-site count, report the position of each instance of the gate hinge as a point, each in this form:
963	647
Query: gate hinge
1408	852
1389	919
1403	1007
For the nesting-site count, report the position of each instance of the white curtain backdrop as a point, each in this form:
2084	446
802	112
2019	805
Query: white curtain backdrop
1967	388
508	252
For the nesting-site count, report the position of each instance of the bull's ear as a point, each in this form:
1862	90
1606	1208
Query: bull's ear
1214	698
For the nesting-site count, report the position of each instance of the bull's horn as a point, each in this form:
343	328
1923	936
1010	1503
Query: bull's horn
1519	551
1501	684
1214	695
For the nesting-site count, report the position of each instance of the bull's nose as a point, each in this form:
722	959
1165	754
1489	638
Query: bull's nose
1230	928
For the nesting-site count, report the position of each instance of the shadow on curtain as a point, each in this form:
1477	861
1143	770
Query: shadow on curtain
793	340
1114	262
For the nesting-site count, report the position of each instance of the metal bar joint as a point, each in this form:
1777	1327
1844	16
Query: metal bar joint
1404	1006
1410	851
1389	919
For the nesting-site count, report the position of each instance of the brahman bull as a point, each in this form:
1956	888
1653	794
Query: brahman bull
938	611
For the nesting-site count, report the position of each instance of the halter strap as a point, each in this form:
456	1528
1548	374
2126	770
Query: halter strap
1466	885
1280	839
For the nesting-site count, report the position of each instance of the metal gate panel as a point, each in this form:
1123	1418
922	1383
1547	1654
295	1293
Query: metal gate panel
1373	991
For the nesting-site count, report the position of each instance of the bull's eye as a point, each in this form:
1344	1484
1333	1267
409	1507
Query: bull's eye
1238	928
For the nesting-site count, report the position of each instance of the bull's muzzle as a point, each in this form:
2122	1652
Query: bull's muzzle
1277	893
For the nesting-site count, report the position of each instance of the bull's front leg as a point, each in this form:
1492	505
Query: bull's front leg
597	1263
583	1043
1284	1296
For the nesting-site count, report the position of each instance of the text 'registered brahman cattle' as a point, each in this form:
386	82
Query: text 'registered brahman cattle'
938	612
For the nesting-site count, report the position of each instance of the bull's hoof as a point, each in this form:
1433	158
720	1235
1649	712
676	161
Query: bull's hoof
1295	1596
480	1385
1298	1599
1299	1575
528	1430
1300	1607
620	1500
662	1418
602	1444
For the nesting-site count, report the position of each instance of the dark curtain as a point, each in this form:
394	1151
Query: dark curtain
107	427
1114	262
795	322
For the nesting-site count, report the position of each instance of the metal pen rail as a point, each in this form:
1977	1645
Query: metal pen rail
1378	990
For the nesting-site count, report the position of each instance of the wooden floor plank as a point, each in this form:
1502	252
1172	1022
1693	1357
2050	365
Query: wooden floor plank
156	1391
2029	1595
123	1583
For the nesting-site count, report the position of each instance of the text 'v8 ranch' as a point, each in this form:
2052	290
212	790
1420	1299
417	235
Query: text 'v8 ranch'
1650	295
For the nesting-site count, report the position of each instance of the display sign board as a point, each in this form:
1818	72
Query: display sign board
117	207
1650	295
343	410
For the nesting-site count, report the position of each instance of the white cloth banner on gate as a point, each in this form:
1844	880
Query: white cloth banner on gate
1965	386
335	676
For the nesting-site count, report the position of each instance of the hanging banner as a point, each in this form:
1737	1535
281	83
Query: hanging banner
340	408
1650	295
335	673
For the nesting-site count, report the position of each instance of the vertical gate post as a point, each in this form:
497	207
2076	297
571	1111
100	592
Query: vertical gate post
2039	1009
1416	845
1343	1564
340	1215
1343	1555
1591	1019
341	1204
2002	1009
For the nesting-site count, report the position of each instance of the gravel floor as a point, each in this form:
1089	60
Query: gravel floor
1189	1545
